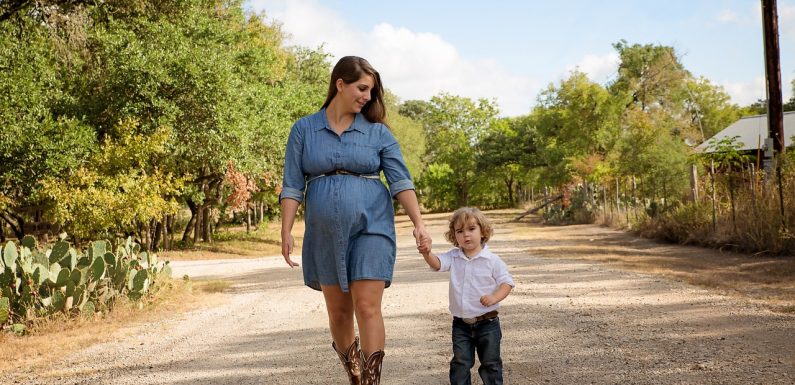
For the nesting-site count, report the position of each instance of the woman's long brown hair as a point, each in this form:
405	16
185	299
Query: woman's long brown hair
351	69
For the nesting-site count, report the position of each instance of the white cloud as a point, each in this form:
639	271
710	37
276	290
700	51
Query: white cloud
600	69
745	93
728	16
750	15
786	22
413	65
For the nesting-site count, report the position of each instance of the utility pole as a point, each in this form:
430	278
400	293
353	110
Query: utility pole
775	115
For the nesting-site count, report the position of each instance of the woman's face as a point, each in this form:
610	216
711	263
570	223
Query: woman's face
356	95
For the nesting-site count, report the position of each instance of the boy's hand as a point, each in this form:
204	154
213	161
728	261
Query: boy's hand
425	246
488	300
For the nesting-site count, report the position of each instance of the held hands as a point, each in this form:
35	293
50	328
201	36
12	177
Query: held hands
287	249
423	240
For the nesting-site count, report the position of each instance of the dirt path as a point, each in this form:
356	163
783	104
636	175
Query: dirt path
567	322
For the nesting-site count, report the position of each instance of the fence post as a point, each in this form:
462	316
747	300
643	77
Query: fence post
694	183
712	180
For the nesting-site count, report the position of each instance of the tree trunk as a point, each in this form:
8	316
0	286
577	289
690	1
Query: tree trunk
143	234
248	220
171	221
16	222
206	224
191	223
509	185
166	227
157	236
198	225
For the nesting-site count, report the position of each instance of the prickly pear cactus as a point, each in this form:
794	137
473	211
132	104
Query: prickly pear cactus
59	253
10	256
98	269
5	310
38	282
88	310
29	242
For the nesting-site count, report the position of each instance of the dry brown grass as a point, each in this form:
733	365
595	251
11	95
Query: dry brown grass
235	243
55	338
768	281
214	286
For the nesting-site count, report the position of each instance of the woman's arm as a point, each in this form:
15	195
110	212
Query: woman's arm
408	199
289	209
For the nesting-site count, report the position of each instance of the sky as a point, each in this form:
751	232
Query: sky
511	50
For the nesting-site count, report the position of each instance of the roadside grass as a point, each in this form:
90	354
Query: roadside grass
764	280
214	286
767	281
235	243
56	337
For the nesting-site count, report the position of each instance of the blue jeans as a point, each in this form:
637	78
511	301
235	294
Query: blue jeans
483	337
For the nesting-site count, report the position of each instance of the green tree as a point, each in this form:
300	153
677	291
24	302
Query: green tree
454	126
499	157
710	108
577	124
651	76
408	132
35	143
790	105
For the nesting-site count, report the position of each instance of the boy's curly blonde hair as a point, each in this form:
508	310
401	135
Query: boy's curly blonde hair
461	217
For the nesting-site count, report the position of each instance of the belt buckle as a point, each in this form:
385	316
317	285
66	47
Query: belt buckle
470	321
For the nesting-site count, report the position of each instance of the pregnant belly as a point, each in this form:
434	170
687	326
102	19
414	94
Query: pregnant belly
345	198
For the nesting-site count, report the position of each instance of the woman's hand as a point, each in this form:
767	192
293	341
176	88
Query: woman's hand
421	236
287	248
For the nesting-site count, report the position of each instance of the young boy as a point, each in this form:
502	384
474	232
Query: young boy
479	280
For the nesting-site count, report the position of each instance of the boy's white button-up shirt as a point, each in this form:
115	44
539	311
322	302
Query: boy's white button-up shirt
473	278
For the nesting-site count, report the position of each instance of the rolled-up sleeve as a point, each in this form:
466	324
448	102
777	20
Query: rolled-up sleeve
501	274
446	260
395	170
293	181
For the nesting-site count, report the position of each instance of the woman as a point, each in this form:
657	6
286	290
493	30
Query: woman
332	165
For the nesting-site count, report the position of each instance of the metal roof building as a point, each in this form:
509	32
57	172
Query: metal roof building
752	131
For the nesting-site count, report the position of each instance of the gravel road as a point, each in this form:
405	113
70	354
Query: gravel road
567	322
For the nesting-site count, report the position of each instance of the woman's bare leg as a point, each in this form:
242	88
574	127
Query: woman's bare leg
339	306
367	296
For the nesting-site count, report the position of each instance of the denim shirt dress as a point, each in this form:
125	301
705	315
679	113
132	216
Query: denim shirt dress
349	220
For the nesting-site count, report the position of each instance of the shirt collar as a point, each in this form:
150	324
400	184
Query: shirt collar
484	253
359	122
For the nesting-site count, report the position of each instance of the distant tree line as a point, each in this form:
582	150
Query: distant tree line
116	115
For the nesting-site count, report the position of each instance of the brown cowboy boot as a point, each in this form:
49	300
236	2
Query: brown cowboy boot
351	361
371	372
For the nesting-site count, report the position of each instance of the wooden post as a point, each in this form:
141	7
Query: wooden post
694	183
712	179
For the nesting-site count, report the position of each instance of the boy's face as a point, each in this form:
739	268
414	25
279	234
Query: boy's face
467	234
